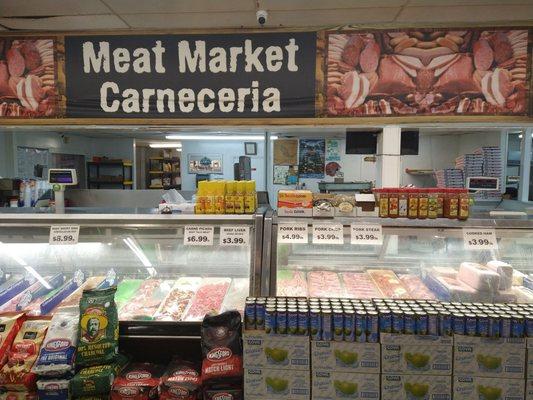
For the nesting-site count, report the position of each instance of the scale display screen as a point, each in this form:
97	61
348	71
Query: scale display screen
480	183
62	176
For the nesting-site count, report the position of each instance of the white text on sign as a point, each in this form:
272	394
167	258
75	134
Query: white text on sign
479	239
366	234
198	235
234	235
64	234
328	234
293	233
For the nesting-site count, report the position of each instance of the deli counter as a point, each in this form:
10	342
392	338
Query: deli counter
483	259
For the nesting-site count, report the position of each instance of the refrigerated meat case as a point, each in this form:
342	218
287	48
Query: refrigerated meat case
155	270
417	259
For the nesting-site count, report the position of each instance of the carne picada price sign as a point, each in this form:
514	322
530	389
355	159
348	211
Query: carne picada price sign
234	235
328	234
198	235
293	233
64	234
366	234
479	239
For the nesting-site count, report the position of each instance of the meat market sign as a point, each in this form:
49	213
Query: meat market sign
191	76
327	74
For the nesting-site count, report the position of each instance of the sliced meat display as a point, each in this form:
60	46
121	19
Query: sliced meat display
146	300
392	78
15	62
370	57
417	289
503	50
359	285
5	88
208	298
291	283
174	306
324	284
352	50
32	58
483	54
458	78
388	283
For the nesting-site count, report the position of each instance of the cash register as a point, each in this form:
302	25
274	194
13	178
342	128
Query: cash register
60	178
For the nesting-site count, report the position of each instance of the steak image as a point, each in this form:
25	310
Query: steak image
425	71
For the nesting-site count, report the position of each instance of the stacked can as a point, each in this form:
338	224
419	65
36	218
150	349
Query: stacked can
412	317
277	315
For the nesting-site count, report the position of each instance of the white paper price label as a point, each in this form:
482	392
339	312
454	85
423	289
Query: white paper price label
293	233
366	234
198	235
479	239
328	234
234	235
64	234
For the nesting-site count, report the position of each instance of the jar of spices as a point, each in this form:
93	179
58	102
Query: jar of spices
464	204
440	202
412	212
432	203
423	203
383	200
451	204
403	200
393	203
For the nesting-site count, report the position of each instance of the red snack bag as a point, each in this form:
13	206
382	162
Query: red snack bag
181	381
9	327
138	381
221	347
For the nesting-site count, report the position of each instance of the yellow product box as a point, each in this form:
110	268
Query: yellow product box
295	203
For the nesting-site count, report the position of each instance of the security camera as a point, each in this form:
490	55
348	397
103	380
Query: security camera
262	17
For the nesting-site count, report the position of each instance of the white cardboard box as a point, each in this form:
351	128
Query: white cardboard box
414	387
413	354
261	384
490	357
467	387
345	357
343	385
275	351
295	212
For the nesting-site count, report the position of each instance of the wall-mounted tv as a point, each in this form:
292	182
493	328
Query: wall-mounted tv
361	142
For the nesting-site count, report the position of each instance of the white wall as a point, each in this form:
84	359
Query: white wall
7	164
230	150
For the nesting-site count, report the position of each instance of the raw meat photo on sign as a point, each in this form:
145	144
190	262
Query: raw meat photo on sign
427	71
28	85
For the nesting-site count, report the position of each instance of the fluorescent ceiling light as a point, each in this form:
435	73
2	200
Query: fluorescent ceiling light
165	145
215	137
140	255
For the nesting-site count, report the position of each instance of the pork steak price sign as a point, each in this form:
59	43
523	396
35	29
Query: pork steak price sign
328	234
234	235
198	235
366	234
183	76
64	234
479	239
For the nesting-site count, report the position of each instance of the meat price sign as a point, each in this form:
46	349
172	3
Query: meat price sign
180	76
198	235
293	233
366	234
234	235
479	239
328	234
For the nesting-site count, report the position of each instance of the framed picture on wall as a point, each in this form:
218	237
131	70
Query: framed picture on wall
205	163
250	148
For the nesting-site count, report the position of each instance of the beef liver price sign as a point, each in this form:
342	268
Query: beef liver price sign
177	76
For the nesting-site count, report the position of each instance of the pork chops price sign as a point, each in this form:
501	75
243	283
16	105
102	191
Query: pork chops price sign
180	76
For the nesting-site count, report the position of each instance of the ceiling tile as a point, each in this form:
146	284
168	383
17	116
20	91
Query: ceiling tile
276	5
313	18
191	20
430	3
65	23
20	8
179	6
466	14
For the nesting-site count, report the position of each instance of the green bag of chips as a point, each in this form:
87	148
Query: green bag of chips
96	380
98	328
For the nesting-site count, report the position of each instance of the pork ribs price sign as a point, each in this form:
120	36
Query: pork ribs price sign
234	235
479	239
243	75
328	234
64	234
293	233
366	234
198	235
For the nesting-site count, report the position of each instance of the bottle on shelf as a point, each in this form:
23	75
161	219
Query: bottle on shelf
209	196
403	200
464	204
250	197
219	199
199	207
412	211
239	197
423	203
229	199
393	202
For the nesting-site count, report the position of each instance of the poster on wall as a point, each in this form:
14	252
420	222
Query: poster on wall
285	174
205	163
312	158
427	72
286	152
28	78
333	150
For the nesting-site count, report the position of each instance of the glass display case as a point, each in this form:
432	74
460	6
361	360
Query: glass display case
167	267
421	259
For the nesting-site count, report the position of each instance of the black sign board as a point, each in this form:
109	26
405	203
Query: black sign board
190	76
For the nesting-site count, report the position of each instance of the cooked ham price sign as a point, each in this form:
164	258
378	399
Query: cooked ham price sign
176	76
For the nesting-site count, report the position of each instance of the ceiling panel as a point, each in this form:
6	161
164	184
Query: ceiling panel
191	20
429	3
178	6
305	18
20	8
277	5
466	14
65	23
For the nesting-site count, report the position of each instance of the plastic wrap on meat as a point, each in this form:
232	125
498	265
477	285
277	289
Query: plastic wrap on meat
236	296
359	285
174	306
388	283
147	300
75	297
324	284
208	298
291	283
417	289
37	291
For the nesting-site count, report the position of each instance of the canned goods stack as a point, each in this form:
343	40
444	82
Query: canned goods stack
277	315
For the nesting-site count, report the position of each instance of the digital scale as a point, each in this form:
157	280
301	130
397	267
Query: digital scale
60	179
482	183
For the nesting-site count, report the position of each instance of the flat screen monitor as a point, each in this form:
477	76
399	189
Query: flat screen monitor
409	143
361	142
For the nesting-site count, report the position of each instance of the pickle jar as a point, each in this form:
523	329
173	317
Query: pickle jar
422	203
412	212
393	202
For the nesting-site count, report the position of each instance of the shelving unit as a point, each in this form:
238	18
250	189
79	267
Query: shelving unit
97	180
166	170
